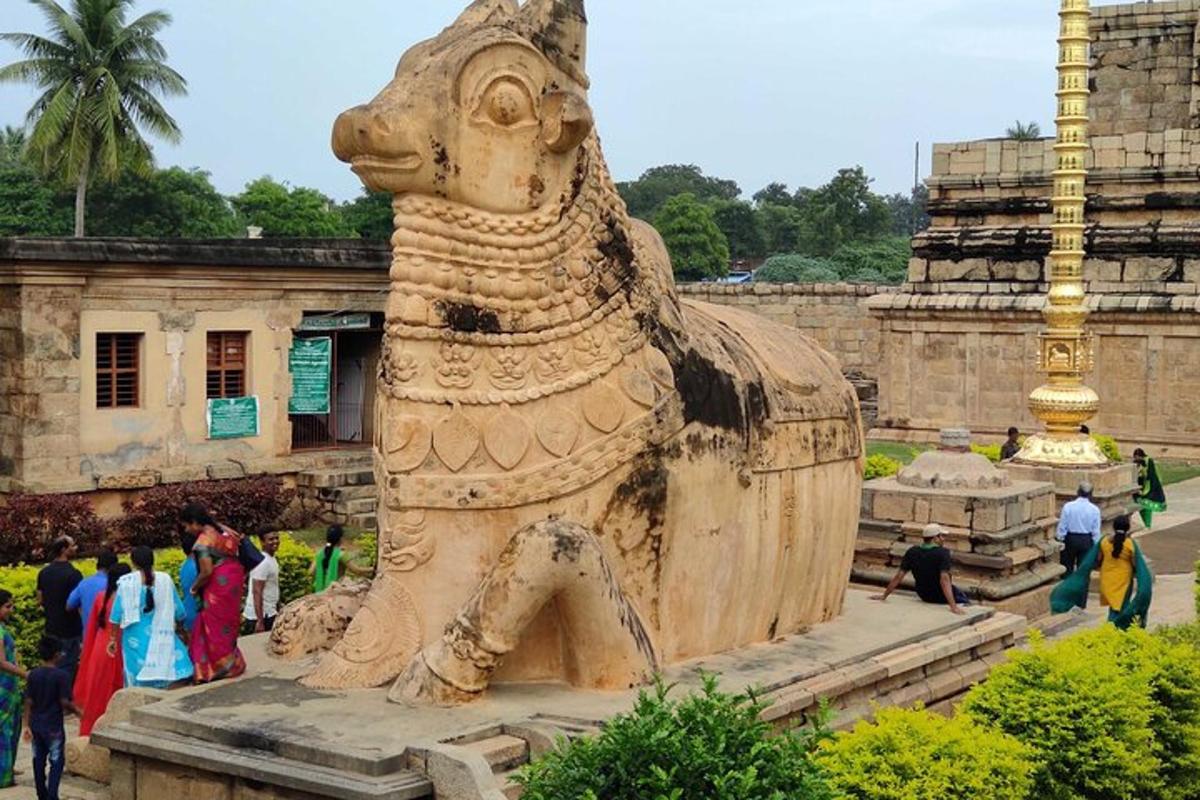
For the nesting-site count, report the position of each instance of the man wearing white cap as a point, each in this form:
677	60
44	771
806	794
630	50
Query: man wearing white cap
930	564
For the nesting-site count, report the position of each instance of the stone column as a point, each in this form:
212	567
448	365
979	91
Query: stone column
45	401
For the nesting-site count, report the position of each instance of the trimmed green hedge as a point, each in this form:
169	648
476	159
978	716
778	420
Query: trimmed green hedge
879	466
1107	715
919	755
27	621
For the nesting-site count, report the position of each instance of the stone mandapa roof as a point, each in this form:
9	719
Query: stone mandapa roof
292	253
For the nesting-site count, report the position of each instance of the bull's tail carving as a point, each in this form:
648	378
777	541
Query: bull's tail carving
606	647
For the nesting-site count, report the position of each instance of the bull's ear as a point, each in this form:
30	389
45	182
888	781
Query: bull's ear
566	121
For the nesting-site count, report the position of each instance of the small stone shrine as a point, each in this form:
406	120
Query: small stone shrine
1000	530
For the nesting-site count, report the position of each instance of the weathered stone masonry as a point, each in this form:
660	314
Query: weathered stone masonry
959	340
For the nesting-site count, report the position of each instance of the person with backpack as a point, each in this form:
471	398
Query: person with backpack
220	579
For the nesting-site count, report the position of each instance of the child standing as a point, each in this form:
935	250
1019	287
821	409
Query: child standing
11	675
47	694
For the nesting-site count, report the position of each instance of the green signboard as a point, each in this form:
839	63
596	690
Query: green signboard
233	418
311	364
343	322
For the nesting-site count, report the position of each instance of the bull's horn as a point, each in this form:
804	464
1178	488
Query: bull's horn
484	11
559	29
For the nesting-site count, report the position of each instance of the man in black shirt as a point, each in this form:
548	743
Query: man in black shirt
929	563
1009	450
55	583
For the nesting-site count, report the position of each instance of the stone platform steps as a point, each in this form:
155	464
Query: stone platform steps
344	495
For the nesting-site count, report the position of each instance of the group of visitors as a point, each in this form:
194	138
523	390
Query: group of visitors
131	626
1126	582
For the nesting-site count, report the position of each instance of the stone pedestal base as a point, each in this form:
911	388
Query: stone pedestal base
1113	485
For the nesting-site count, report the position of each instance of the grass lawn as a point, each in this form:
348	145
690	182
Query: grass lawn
904	453
1177	471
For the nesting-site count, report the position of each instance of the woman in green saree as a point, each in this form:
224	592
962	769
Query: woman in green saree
1150	497
1126	583
11	699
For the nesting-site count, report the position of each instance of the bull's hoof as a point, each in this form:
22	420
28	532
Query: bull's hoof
419	685
382	639
315	623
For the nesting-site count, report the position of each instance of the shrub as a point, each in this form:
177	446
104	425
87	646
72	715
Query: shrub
989	451
368	549
918	755
1086	716
295	558
880	466
30	522
249	505
1108	446
888	258
708	745
792	268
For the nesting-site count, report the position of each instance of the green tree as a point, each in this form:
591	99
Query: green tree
299	212
773	194
29	205
698	248
99	79
1024	131
370	215
12	145
783	226
844	210
742	228
169	203
646	195
910	213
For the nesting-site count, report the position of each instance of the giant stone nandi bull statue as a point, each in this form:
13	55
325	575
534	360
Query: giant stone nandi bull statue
582	478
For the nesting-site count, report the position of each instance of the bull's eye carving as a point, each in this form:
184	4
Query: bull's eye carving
506	102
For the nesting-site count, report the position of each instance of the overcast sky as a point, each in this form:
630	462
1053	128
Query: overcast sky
753	90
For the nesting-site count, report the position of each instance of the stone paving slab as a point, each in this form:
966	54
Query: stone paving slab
361	732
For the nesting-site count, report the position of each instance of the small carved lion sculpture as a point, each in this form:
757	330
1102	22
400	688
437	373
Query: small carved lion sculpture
582	477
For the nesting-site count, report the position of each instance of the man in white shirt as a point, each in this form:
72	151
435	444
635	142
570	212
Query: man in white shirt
262	601
1078	528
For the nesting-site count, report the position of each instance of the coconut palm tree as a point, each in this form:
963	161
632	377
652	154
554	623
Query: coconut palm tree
99	79
1025	131
12	144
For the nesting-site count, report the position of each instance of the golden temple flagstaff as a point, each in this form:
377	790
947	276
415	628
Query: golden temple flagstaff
1064	403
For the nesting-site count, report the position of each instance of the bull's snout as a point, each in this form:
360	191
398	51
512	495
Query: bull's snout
368	131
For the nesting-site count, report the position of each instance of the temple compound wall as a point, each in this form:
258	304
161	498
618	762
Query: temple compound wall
959	340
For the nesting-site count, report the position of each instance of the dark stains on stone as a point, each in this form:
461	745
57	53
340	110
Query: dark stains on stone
710	395
568	544
620	260
645	491
771	631
466	318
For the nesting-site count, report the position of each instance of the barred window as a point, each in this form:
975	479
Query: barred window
226	365
118	361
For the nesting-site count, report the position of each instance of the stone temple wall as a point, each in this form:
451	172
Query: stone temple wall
959	339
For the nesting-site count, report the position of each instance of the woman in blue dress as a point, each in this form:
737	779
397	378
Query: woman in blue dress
147	608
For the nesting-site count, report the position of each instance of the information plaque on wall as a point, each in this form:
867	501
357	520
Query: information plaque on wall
311	364
233	418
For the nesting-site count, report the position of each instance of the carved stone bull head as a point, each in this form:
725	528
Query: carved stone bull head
491	113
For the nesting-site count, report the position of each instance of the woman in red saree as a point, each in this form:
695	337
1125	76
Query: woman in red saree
101	671
218	587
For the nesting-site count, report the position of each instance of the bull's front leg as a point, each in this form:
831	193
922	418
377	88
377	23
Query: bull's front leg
606	644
